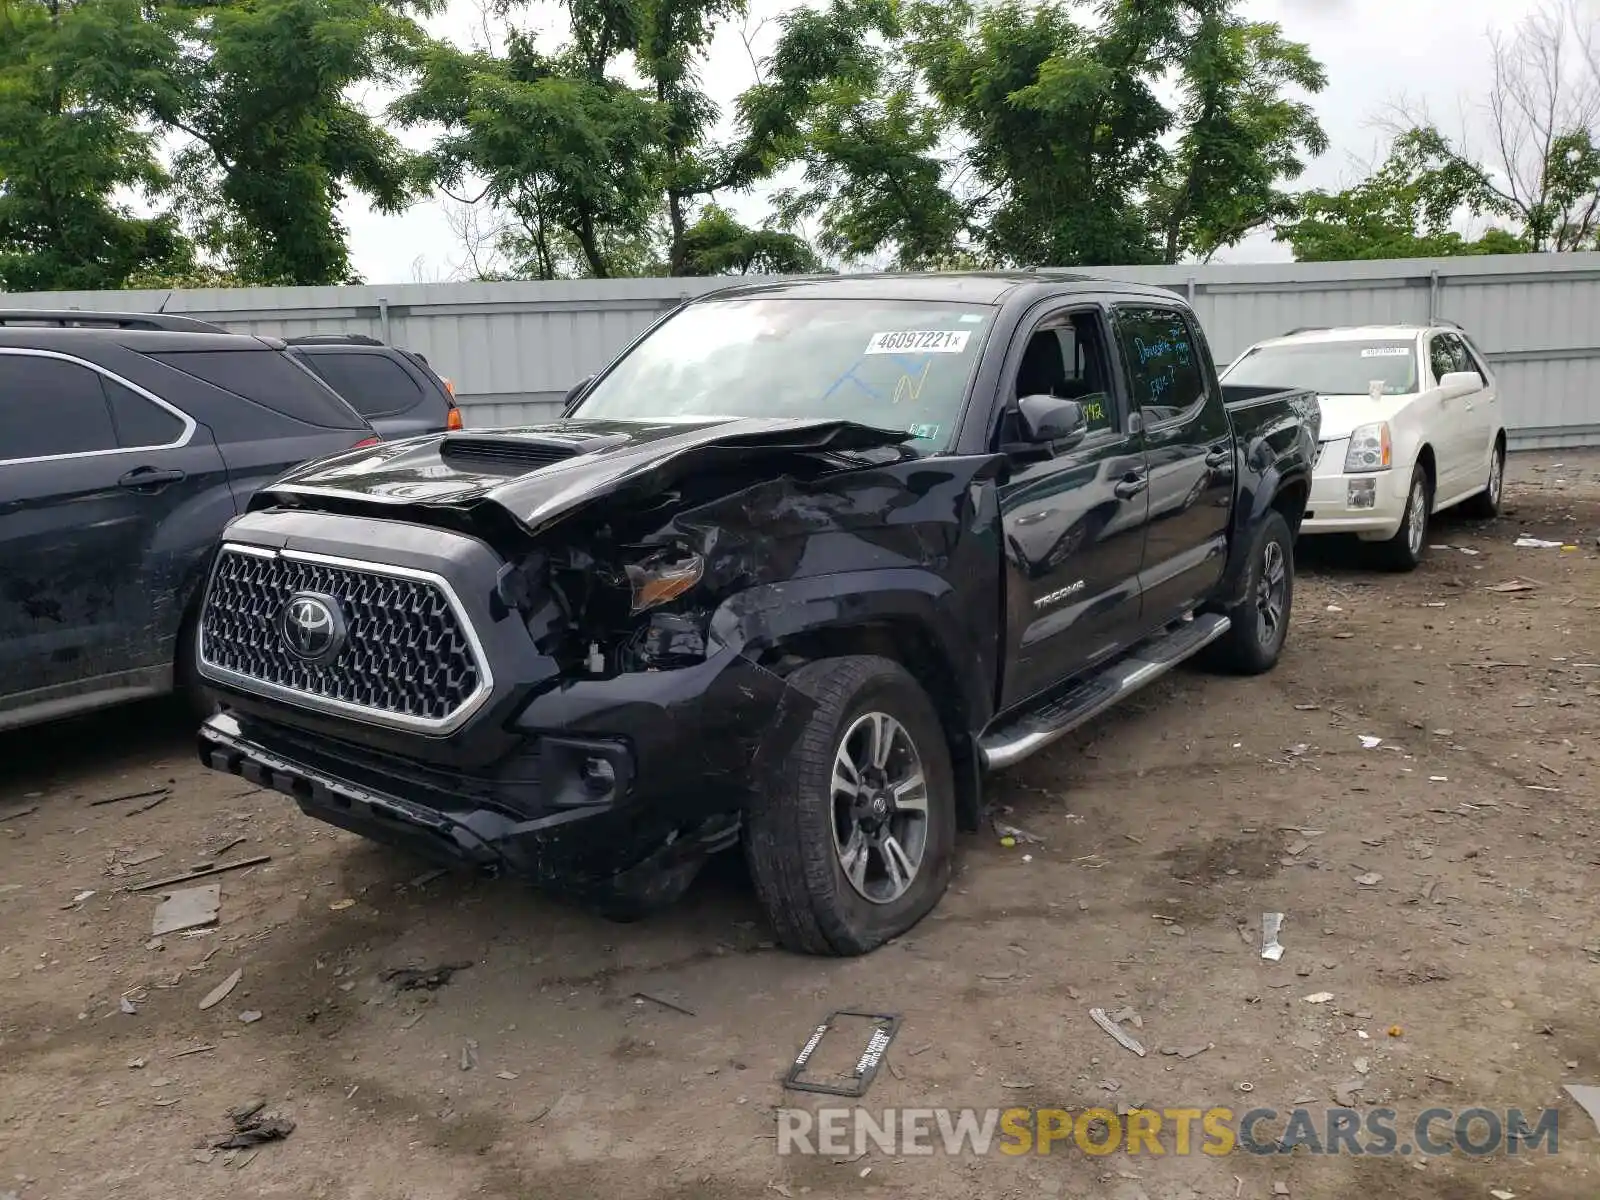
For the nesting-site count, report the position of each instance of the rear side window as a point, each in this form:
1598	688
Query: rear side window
139	422
1163	369
1441	358
269	378
374	385
49	407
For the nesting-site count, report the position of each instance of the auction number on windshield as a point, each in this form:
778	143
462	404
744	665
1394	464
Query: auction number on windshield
919	341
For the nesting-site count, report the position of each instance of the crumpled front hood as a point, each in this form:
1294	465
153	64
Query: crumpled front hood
540	473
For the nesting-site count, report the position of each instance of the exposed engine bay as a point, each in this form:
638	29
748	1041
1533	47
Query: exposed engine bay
598	618
621	540
631	586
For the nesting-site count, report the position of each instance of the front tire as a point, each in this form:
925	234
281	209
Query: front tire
200	700
1404	551
1260	622
1485	506
851	840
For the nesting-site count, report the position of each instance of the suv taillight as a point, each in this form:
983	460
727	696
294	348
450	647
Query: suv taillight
365	442
453	419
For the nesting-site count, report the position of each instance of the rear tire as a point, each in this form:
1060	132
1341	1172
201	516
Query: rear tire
1485	506
1405	550
819	829
1260	622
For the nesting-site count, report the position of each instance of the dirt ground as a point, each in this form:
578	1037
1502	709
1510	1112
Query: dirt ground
1166	827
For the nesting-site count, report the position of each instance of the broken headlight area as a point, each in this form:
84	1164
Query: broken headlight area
662	578
612	610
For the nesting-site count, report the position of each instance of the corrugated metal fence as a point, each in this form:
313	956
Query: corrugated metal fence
513	349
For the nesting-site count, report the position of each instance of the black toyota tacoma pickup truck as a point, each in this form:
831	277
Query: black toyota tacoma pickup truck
799	567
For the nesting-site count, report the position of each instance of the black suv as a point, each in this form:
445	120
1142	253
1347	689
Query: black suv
78	318
124	450
395	389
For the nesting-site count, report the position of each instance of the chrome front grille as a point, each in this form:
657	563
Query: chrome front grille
405	654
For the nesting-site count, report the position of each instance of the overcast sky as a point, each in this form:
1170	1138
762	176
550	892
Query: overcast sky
1376	52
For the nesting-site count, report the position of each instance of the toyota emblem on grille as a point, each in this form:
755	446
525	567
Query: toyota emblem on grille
312	627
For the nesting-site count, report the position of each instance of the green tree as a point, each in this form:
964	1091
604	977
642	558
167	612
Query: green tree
592	173
183	275
1242	134
1407	208
841	103
76	80
1017	133
1543	109
275	142
570	150
1541	123
718	244
1062	124
673	37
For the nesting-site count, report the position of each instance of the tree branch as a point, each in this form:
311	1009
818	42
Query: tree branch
487	188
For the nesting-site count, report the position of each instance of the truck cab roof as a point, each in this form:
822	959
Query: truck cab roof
968	287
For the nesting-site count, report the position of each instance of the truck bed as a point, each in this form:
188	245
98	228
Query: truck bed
1257	410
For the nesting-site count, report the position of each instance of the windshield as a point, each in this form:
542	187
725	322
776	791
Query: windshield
1332	368
886	363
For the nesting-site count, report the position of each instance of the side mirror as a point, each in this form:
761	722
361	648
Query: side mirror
1052	421
1461	381
574	392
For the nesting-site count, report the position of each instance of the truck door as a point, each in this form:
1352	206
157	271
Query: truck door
1189	442
1073	519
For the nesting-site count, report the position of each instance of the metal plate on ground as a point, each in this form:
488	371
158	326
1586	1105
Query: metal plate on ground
852	1082
189	908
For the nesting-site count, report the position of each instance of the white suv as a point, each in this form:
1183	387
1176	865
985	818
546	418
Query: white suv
1411	424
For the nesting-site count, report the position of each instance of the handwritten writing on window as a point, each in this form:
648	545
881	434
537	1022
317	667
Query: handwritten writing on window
1165	373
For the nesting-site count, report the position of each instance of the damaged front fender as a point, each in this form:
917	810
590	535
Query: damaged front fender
912	614
695	730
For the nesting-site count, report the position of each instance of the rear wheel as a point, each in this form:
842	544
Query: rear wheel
1486	504
1260	621
1403	552
852	841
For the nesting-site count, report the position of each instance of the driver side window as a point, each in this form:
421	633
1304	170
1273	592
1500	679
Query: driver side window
1440	358
1065	357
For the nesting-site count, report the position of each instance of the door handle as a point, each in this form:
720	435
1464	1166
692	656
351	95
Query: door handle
141	478
1130	485
1219	456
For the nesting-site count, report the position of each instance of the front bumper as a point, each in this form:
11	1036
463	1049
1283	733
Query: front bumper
1371	504
570	782
683	749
